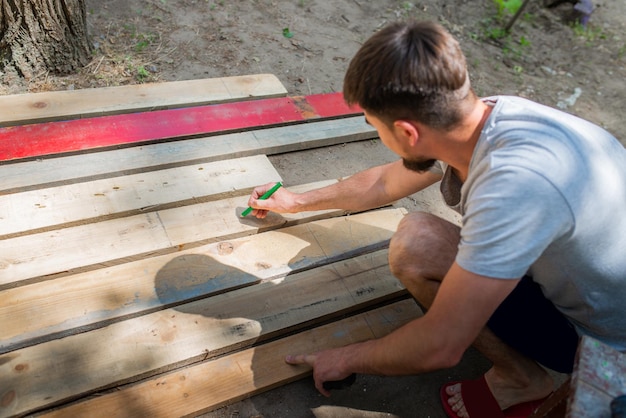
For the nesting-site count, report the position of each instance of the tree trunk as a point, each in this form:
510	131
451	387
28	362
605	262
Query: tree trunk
37	36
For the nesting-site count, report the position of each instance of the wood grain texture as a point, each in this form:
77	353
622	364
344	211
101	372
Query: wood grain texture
52	138
78	365
211	384
75	303
35	257
75	203
123	257
19	109
48	172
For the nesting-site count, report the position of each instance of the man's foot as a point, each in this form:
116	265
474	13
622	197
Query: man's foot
472	398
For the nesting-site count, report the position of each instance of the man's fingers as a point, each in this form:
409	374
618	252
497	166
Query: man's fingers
320	387
301	359
260	213
259	191
308	359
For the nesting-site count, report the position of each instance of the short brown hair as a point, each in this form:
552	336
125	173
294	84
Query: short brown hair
410	70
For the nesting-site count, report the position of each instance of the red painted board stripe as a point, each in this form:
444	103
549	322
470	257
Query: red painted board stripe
326	106
40	139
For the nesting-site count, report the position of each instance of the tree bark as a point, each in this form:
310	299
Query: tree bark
37	36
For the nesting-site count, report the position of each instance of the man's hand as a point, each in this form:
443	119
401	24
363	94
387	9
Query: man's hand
368	189
282	201
326	367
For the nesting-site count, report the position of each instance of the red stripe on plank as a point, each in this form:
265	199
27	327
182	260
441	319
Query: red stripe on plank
106	131
329	105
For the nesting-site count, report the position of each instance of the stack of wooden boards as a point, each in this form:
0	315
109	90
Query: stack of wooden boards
129	285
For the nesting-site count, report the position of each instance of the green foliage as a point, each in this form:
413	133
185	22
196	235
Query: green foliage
516	49
512	47
287	33
506	7
142	73
141	45
406	9
143	41
589	33
523	41
496	33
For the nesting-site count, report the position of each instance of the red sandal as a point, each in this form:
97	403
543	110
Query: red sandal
480	403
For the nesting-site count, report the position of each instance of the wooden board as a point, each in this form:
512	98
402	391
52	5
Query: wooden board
48	172
58	370
19	109
28	141
74	303
211	384
76	203
36	257
123	256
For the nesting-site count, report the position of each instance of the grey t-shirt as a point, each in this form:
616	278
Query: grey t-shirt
546	195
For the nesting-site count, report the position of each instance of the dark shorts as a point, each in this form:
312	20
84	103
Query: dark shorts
530	323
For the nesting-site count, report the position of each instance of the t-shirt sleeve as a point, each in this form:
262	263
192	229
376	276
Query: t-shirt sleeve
511	217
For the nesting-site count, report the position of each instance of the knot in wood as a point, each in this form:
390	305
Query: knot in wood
21	368
225	248
7	399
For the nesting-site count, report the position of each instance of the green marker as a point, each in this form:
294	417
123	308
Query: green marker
265	196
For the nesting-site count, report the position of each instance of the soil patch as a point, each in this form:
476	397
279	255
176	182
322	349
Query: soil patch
308	44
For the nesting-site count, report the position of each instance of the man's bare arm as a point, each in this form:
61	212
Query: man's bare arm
368	189
463	305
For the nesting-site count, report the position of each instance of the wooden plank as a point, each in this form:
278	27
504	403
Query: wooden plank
50	138
27	108
75	303
59	370
212	384
72	204
27	175
33	258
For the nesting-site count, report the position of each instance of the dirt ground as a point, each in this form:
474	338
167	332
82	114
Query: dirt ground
308	45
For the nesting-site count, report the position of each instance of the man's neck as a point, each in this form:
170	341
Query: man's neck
460	142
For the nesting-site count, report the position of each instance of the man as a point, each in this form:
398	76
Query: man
540	258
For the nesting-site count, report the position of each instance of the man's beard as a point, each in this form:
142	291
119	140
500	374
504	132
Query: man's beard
418	165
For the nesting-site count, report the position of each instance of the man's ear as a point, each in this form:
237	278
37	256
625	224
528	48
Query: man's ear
407	130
